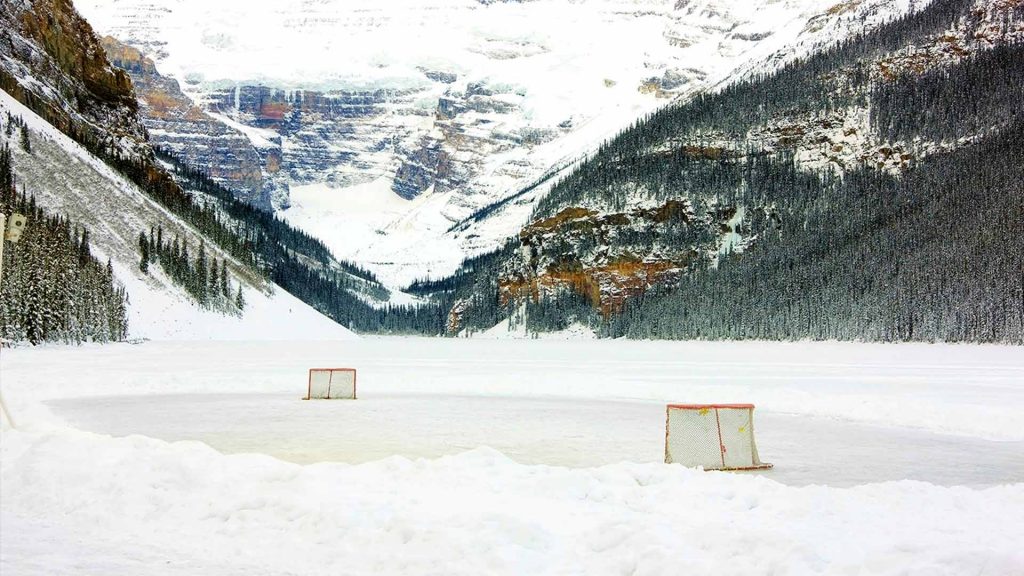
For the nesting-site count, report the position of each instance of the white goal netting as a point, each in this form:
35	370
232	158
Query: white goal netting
332	383
714	436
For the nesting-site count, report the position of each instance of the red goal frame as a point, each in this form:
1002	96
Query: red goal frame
718	423
309	383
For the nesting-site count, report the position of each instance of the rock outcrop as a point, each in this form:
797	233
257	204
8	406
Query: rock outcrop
610	257
51	60
175	123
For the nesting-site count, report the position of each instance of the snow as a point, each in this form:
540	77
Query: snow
344	219
732	241
400	240
547	49
186	510
259	137
65	177
584	493
514	328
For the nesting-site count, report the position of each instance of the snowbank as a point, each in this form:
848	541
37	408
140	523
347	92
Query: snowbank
186	509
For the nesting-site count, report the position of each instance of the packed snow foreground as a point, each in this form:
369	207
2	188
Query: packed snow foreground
78	502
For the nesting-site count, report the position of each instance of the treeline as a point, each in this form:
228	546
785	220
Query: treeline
53	289
269	236
304	267
203	216
474	288
204	279
330	294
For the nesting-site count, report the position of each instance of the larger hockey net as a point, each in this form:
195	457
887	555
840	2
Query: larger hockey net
331	383
713	436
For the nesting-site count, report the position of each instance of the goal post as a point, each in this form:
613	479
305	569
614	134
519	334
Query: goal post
713	436
331	384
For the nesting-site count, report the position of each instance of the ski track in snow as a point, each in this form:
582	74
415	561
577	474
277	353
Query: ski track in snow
77	502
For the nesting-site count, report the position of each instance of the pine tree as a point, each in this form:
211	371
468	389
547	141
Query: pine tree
84	253
239	298
6	175
183	269
214	278
199	280
144	249
26	145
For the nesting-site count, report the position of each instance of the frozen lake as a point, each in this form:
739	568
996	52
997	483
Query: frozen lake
571	481
552	431
827	413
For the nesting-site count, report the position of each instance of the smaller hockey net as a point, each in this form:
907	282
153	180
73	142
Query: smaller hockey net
331	383
714	436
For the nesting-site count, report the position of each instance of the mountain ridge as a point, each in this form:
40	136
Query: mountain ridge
457	121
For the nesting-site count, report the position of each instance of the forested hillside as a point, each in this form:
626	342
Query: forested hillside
54	289
304	267
872	191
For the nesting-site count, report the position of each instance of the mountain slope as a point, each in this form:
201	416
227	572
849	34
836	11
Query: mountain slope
66	178
870	191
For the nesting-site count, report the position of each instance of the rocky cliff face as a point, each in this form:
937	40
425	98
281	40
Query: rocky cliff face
177	124
345	137
51	60
309	136
611	257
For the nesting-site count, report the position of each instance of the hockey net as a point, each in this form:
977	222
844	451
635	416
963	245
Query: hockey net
714	436
331	383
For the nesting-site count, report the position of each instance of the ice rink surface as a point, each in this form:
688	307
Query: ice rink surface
829	413
552	431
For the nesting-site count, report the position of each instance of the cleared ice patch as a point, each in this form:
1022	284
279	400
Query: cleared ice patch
551	431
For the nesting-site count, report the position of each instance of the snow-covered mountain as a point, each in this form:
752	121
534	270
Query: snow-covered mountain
65	177
77	148
867	192
382	126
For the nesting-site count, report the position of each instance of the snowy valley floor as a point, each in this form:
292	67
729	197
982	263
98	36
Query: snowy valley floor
508	457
